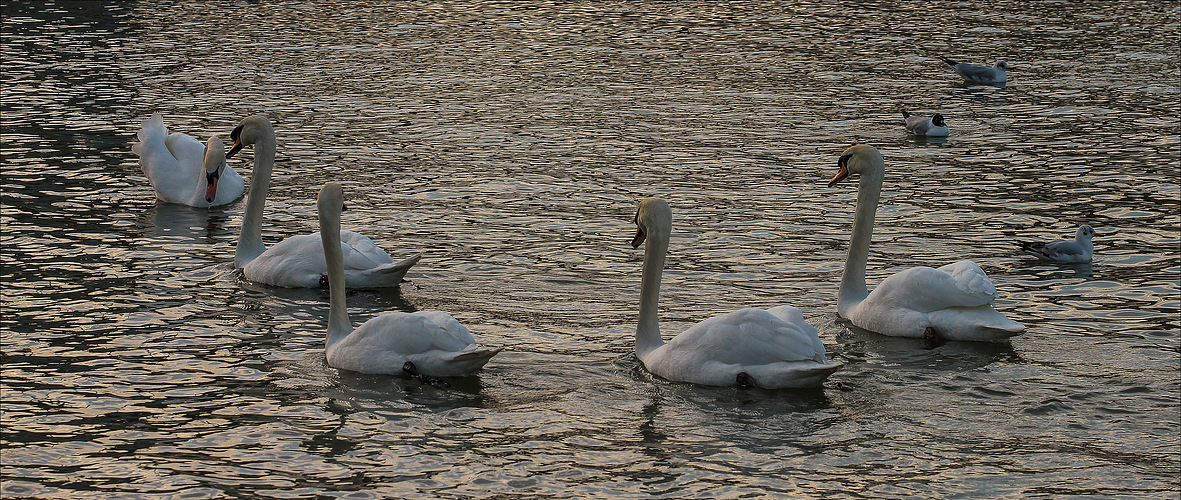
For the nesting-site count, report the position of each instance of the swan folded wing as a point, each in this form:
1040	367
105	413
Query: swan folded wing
360	252
295	262
976	72
750	337
924	289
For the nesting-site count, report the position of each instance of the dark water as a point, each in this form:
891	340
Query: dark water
509	142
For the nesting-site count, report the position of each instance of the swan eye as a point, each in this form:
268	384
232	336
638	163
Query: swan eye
213	176
236	133
843	162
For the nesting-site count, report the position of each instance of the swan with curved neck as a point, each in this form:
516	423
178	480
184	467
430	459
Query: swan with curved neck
432	342
767	348
298	261
953	302
182	170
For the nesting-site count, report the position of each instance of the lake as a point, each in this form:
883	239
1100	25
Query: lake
509	143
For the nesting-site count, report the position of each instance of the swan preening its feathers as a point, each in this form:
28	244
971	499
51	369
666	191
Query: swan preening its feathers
953	302
182	170
428	342
298	261
768	348
928	127
1080	249
977	73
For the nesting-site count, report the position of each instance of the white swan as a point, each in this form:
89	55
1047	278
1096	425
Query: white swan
432	341
182	170
928	127
1080	249
953	302
298	261
768	348
978	73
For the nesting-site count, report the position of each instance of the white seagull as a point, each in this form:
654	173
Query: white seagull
978	73
1080	249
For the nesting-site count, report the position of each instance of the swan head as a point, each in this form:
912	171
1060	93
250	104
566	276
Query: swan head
1084	233
860	159
937	120
215	164
331	201
652	218
249	131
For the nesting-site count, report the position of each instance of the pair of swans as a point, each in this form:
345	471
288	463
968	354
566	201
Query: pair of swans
181	170
775	348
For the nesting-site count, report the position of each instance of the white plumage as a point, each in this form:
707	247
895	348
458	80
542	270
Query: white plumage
182	170
298	261
953	302
433	341
1080	249
772	349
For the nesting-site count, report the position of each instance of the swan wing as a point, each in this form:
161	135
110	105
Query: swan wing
163	169
751	337
360	252
924	289
434	341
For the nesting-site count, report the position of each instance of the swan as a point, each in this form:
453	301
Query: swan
182	170
953	302
978	73
1080	249
767	348
298	261
929	127
421	343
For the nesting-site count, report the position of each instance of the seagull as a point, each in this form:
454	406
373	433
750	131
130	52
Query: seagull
921	125
1080	249
977	73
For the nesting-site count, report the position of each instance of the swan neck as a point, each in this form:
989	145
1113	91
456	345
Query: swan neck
648	329
339	325
250	243
853	289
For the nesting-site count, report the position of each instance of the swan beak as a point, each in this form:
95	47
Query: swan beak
234	150
843	165
639	239
211	179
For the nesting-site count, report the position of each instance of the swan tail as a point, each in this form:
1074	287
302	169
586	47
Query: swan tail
799	376
948	61
384	275
471	360
905	114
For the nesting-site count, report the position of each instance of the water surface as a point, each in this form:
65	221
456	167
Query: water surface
510	143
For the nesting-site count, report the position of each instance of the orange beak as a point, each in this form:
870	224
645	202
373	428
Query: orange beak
842	173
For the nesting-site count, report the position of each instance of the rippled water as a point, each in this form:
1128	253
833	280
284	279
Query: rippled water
509	142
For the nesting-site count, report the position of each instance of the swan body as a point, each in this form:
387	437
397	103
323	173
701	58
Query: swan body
182	170
977	73
769	348
953	302
298	261
1080	249
434	342
929	127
